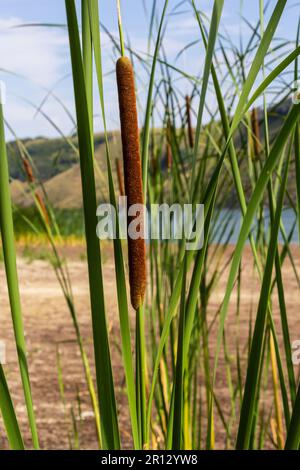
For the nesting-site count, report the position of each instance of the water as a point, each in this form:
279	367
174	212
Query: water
229	222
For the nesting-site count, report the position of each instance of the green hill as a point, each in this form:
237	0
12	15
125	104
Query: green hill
56	163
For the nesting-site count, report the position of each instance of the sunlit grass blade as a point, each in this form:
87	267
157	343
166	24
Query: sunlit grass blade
9	251
8	414
277	403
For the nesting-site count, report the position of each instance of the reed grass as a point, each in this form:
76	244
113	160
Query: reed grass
106	396
189	121
8	244
182	338
11	424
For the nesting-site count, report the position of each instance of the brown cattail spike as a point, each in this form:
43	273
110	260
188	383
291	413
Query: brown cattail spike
255	132
28	170
43	208
120	177
189	121
31	179
132	176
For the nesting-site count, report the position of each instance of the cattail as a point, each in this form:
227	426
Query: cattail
28	170
42	206
132	176
120	177
255	132
189	121
31	179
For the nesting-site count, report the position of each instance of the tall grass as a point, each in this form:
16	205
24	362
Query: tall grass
8	244
184	349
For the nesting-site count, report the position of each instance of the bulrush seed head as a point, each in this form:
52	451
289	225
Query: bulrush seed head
132	176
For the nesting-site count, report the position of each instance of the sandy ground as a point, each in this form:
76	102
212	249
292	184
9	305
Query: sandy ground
48	326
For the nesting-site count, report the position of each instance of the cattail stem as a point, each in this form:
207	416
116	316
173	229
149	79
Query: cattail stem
141	375
122	45
132	176
189	121
136	247
255	132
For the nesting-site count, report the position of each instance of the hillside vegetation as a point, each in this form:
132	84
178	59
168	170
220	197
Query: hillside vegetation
56	162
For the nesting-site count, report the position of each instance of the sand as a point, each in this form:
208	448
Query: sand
48	327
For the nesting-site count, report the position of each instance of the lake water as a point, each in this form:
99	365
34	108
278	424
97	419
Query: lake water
230	220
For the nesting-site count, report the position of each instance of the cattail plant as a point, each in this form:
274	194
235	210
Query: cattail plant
182	406
189	121
255	132
134	193
31	180
28	170
132	175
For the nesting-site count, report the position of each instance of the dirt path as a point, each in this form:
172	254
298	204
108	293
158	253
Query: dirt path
48	327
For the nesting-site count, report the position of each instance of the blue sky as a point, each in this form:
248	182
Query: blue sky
39	57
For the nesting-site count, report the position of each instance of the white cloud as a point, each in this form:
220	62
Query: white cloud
40	56
37	53
21	117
